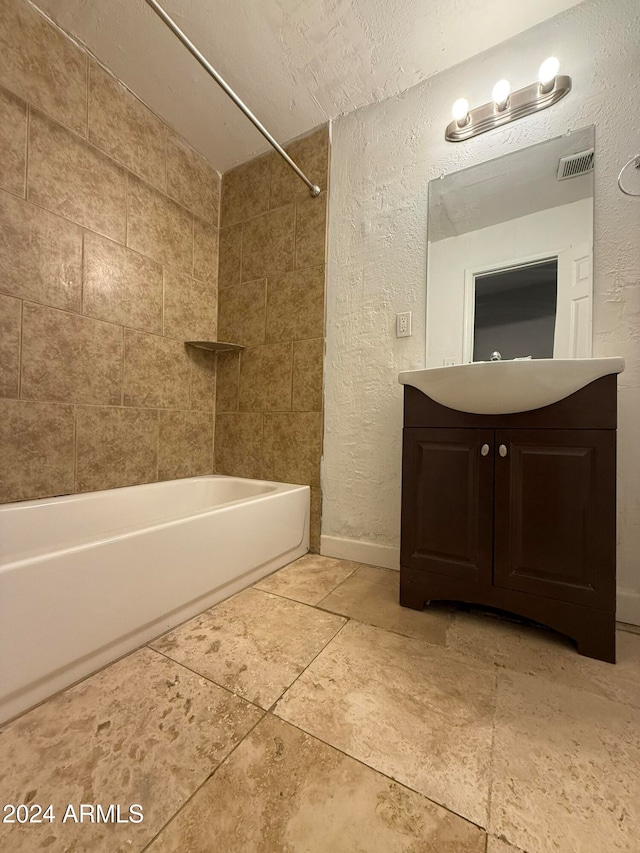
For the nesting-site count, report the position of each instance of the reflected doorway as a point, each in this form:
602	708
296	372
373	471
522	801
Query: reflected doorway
515	311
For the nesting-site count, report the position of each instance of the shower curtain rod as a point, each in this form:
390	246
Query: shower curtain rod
157	8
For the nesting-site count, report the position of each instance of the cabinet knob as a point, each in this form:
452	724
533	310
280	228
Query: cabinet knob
502	450
485	450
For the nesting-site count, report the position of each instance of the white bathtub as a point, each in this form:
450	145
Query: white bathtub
86	578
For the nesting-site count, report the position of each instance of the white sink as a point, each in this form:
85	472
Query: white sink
503	387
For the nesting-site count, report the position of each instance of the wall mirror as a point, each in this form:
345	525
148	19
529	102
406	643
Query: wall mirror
510	255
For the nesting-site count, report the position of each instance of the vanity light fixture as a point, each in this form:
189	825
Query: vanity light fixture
508	106
500	94
460	112
547	74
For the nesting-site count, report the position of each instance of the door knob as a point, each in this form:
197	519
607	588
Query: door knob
485	450
502	450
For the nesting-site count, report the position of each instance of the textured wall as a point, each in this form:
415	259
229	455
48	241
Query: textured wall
271	300
383	157
108	260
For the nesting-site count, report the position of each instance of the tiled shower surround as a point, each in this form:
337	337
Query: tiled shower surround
271	300
109	262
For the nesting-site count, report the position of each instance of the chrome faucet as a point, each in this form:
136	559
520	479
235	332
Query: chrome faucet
495	356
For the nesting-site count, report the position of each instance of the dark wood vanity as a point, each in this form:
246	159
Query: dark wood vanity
515	511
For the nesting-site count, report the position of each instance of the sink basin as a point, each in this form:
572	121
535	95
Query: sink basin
504	387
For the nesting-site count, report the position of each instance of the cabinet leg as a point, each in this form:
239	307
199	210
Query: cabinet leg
410	596
599	641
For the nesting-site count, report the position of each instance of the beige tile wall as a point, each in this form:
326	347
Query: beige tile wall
108	262
271	299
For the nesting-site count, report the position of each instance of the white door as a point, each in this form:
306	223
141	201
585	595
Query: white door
572	337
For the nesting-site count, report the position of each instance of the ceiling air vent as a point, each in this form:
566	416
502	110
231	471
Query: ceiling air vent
575	164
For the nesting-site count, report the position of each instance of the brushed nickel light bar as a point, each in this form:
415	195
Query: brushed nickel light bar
193	50
509	106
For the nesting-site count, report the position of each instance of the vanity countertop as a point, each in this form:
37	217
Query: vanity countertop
505	387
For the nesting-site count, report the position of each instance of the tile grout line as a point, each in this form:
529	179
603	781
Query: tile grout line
293	359
204	782
279	207
166	157
376	770
350	575
456	654
157	411
19	397
87	73
27	151
125	244
395	633
84	135
264	712
107	155
315	657
199	674
122	367
127	195
193	246
271	711
295	235
492	750
82	276
57	215
75	448
316	606
166	656
242	248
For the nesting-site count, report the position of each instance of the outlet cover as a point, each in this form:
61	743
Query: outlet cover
403	325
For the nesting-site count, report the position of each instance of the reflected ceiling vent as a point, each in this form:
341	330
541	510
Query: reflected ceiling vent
575	165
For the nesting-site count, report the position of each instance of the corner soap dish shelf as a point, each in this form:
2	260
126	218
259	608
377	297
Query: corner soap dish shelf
214	346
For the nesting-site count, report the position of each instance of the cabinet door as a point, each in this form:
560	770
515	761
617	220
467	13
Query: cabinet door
555	514
447	502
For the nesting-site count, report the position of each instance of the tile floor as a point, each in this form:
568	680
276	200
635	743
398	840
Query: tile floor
312	713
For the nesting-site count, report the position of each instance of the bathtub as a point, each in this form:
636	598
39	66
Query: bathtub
87	578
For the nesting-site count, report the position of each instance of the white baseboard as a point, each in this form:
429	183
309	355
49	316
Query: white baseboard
628	606
361	552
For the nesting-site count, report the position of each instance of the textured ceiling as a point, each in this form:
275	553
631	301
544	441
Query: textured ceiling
295	63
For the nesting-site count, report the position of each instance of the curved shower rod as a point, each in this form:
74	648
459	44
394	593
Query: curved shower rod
175	29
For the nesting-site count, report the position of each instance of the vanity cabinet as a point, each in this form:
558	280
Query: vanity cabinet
515	511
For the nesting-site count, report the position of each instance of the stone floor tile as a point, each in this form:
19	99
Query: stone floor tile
406	708
566	769
535	651
254	644
308	579
497	845
370	595
283	790
144	730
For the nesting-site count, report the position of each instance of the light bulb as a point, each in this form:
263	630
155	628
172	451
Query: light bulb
500	94
460	111
547	74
